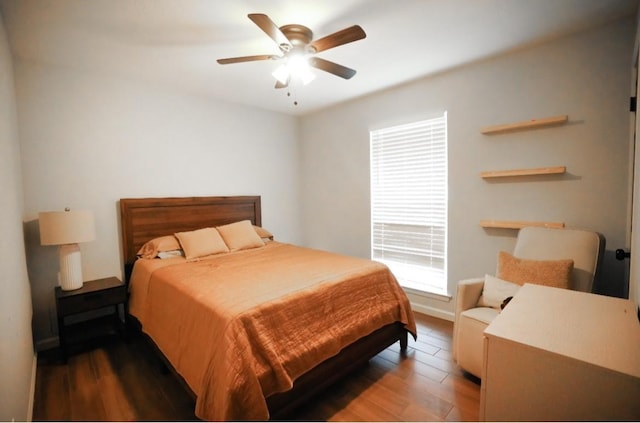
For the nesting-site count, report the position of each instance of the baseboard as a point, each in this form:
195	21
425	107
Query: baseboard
32	389
432	311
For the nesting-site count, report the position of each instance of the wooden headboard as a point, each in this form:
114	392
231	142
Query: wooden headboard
143	219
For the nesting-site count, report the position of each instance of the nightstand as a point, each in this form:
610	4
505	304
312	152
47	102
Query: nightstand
94	295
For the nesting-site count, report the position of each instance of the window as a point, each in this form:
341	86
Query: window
409	202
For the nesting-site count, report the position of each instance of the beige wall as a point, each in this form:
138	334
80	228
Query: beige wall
16	345
586	76
90	139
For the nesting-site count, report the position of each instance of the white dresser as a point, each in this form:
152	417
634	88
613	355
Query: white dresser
556	354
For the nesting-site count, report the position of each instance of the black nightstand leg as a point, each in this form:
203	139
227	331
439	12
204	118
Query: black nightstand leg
62	340
125	327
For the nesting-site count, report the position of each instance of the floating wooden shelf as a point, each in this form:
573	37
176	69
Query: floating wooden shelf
528	124
556	170
518	224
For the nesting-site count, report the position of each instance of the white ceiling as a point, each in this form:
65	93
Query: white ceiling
177	42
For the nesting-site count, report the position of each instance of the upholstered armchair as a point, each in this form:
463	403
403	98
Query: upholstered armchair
566	258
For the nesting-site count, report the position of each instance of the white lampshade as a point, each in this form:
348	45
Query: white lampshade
67	229
299	67
281	74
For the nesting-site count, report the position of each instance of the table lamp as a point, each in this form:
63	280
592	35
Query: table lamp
67	229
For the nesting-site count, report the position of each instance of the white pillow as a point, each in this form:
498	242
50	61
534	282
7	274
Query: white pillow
170	254
495	291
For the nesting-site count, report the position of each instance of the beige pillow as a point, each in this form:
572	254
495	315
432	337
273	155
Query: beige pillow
201	243
262	232
556	273
164	243
495	291
240	235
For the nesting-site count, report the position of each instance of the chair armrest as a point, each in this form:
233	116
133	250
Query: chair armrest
468	293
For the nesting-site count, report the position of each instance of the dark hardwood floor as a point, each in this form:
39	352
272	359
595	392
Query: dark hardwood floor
124	381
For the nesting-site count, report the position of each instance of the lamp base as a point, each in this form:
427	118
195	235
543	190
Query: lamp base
70	267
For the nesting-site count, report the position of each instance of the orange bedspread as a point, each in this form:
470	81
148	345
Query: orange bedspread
241	326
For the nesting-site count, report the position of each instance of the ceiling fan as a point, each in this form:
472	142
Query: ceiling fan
298	50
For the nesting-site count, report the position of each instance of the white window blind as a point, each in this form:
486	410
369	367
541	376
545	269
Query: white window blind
409	202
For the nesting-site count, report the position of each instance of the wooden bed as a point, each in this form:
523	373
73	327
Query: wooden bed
143	219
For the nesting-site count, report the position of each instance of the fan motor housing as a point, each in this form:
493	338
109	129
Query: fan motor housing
299	35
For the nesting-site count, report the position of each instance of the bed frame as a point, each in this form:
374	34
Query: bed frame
143	219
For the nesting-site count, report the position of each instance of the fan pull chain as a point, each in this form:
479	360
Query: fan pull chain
295	101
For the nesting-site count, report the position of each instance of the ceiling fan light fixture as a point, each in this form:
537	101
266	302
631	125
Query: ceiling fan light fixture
299	67
281	74
306	76
294	67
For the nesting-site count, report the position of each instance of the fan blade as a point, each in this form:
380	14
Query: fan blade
347	35
245	59
271	29
331	67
